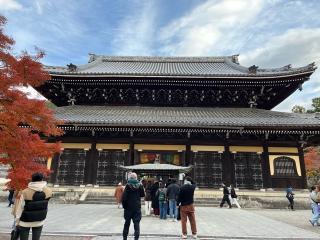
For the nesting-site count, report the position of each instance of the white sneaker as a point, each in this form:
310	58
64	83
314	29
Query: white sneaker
184	236
175	220
194	236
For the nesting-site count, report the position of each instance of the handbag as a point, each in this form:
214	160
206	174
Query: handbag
15	234
178	215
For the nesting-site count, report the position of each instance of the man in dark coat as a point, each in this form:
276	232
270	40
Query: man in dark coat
131	202
225	196
172	194
185	199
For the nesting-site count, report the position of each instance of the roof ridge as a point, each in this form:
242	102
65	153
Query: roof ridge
107	58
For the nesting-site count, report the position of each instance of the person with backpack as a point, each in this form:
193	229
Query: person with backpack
233	197
32	207
162	197
290	197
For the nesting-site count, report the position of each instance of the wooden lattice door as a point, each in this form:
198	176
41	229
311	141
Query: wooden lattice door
248	170
109	172
207	168
71	167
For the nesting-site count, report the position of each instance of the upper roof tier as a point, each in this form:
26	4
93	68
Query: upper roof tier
225	66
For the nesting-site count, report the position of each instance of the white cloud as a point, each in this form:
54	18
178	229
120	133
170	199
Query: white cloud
207	27
39	6
298	47
10	5
136	31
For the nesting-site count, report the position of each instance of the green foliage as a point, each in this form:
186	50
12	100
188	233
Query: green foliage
315	107
298	109
313	177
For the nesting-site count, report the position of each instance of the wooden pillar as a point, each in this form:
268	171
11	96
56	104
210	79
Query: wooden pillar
94	163
266	174
303	167
228	175
130	160
183	158
188	158
90	162
54	168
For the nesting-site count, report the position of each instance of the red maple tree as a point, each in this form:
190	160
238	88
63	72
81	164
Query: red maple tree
312	158
24	123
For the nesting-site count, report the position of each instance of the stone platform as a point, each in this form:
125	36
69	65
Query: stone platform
104	222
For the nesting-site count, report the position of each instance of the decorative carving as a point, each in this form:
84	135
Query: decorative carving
72	67
253	69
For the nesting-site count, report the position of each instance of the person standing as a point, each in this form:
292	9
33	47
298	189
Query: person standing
290	197
314	205
162	197
154	199
32	207
172	195
234	196
187	210
10	197
225	197
131	202
147	199
118	194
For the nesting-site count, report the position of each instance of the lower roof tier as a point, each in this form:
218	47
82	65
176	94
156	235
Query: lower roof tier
184	117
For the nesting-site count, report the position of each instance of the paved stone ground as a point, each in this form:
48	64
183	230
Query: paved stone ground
104	222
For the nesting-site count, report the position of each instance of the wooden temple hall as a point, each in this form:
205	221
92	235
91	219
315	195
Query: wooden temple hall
209	117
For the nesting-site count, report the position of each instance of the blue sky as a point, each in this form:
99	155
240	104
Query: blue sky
267	33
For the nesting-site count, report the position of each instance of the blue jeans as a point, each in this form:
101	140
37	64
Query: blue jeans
163	210
315	214
173	208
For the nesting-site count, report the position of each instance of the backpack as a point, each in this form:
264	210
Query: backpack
162	196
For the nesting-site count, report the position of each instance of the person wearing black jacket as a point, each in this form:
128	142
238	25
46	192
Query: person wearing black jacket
185	200
131	202
225	196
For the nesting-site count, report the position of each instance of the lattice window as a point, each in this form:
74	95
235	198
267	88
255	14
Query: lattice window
108	172
248	170
284	166
71	167
207	168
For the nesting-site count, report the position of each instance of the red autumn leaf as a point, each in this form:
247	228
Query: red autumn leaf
25	124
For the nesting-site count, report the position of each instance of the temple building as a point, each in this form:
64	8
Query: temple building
209	117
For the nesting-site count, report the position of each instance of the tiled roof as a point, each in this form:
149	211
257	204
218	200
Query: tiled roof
172	66
132	116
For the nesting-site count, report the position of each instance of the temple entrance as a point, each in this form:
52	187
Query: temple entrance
207	168
248	171
108	171
71	167
157	171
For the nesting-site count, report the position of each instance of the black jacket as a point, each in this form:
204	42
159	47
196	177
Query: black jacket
35	209
185	196
131	198
225	190
173	191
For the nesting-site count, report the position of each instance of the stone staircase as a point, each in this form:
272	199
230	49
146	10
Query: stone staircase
105	198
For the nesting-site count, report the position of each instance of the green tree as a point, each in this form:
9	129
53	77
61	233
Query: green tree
298	109
316	104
